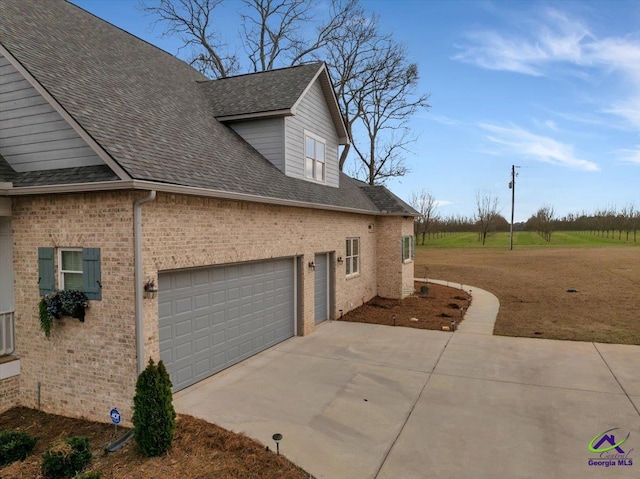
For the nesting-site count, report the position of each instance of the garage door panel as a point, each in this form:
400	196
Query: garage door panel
200	277
218	339
201	323
202	300
201	344
183	305
181	281
218	317
214	317
183	351
182	328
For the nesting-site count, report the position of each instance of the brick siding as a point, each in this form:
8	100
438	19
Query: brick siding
85	369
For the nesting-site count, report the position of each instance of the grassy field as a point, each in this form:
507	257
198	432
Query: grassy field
526	238
531	283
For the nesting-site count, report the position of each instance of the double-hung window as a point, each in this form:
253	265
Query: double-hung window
408	248
75	269
314	153
70	268
353	256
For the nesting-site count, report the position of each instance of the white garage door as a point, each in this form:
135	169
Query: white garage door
212	318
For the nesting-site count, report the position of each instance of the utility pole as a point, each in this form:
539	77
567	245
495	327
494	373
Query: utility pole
512	187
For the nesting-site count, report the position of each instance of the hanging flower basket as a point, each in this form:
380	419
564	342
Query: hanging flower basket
61	303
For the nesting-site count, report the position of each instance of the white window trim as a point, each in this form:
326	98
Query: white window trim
348	259
408	258
319	139
62	272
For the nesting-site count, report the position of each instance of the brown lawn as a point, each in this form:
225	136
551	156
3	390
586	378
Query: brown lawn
532	283
200	450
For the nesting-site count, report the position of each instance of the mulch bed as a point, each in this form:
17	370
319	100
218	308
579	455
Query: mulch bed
431	310
200	450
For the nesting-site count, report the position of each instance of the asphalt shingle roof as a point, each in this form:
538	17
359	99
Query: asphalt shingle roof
63	176
268	91
149	110
7	174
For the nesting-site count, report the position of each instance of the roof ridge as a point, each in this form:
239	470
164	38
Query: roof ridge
273	70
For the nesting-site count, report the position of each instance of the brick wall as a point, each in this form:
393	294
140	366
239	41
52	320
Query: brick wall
182	232
84	369
9	390
395	278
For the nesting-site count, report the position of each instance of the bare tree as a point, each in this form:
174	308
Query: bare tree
425	204
486	212
385	109
192	21
544	221
375	83
272	30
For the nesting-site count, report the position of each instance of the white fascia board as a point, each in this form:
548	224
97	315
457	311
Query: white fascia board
254	116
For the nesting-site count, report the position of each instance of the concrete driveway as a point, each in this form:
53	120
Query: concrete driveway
366	401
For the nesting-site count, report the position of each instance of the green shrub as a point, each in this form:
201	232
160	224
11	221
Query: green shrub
15	446
154	418
66	458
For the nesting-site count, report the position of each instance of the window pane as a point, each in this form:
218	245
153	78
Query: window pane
356	247
348	247
310	152
319	171
73	281
348	265
355	264
72	260
319	151
309	168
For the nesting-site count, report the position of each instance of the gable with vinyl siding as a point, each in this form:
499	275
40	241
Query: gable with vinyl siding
311	115
33	135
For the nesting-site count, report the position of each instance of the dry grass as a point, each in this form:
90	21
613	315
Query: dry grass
532	283
200	450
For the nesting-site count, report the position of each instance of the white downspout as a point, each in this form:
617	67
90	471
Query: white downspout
138	274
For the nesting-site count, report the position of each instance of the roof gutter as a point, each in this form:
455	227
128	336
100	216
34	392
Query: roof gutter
138	275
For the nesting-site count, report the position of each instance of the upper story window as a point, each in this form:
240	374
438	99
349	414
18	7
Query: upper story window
314	152
353	256
70	268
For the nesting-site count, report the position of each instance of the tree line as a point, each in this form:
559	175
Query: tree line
617	223
621	223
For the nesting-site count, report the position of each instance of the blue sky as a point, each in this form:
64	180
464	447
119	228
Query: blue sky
553	87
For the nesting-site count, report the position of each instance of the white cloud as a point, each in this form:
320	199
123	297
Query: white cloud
517	142
445	120
559	44
443	202
630	155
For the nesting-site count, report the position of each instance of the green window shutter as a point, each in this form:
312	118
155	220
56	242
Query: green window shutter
91	282
413	248
46	271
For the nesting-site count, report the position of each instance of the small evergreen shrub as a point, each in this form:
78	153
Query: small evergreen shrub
66	458
154	418
15	446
